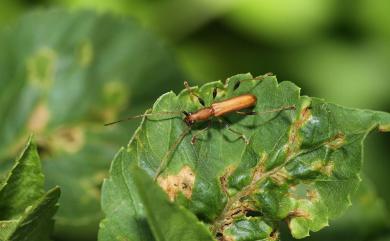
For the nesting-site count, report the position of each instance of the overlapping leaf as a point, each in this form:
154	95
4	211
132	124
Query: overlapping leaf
301	165
26	211
134	201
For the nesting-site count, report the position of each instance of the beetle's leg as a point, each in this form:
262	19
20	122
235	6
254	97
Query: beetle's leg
195	136
168	155
289	107
246	113
227	126
201	101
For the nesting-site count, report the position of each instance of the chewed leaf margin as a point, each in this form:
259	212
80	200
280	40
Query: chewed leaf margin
301	165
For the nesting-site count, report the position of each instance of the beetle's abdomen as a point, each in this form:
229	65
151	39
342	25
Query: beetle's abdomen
233	104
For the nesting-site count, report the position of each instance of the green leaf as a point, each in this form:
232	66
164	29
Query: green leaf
167	220
26	211
125	217
23	185
37	223
63	81
300	166
367	206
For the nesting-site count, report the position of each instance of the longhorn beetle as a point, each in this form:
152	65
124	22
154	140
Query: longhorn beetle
216	109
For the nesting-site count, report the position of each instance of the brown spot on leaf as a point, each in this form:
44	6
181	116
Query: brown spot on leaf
223	237
328	169
280	176
312	195
39	119
68	139
336	142
182	182
259	169
274	235
294	140
223	179
317	165
299	214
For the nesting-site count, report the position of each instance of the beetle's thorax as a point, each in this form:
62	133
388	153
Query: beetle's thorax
201	115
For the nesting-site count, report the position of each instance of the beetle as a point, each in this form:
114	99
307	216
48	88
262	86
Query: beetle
220	108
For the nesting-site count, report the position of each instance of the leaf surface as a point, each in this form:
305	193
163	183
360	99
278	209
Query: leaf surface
300	166
26	211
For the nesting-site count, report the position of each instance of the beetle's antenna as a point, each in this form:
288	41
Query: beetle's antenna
143	115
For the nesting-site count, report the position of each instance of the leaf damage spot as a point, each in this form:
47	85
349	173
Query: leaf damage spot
326	169
70	140
274	235
41	68
304	191
224	179
222	237
313	195
294	140
299	214
280	177
115	96
182	182
259	169
39	118
336	142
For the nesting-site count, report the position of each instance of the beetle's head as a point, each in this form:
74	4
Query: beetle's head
187	119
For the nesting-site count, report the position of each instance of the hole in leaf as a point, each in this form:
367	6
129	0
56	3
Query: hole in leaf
254	213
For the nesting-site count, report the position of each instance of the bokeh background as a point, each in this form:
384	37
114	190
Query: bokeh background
67	66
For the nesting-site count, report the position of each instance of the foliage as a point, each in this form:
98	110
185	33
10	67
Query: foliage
26	211
301	166
65	73
64	80
367	206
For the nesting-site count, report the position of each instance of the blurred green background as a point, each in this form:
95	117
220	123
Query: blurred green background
336	50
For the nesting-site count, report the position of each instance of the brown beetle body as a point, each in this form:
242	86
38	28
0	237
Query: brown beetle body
233	104
221	108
